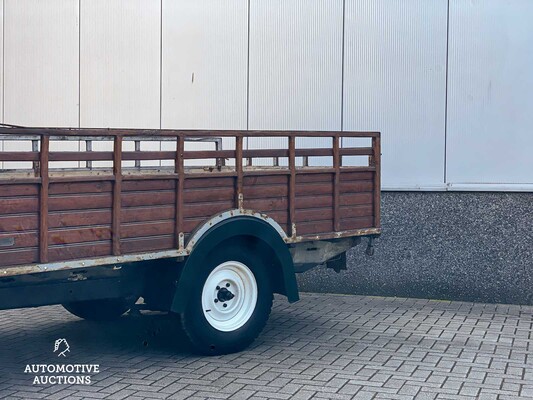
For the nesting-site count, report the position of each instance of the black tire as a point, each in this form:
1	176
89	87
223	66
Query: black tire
205	338
100	310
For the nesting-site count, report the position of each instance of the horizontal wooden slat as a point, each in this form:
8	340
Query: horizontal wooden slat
314	178
79	202
79	251
208	182
315	227
356	186
356	199
79	235
19	256
63	219
19	190
355	176
266	205
314	188
356	223
148	185
150	213
207	210
144	229
138	245
80	187
130	199
208	194
81	155
20	239
261	192
18	205
19	156
18	223
265	180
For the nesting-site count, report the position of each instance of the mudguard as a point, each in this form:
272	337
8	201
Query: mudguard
238	226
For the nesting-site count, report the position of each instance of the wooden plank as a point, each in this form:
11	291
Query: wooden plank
154	243
376	161
208	182
19	190
315	227
356	223
65	219
20	239
117	190
19	156
19	223
267	205
356	199
150	213
80	202
365	210
148	155
356	186
206	195
336	182
307	189
131	199
239	169
19	256
148	185
81	156
356	176
79	235
145	229
18	205
206	210
79	187
356	151
265	180
43	199
179	169
292	185
258	192
304	177
80	251
303	202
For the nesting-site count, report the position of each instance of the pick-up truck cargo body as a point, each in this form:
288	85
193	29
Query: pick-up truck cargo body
83	211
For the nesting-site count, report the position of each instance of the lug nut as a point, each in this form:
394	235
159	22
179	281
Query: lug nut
224	305
216	300
227	284
218	287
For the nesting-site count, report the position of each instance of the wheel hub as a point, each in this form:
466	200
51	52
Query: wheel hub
229	296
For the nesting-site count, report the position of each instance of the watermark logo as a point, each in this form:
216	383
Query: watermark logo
61	344
62	374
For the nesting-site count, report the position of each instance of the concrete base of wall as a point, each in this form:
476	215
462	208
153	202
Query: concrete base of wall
446	245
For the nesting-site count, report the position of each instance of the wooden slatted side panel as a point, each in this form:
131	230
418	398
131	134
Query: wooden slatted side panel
19	224
356	200
314	203
204	198
79	220
269	195
148	215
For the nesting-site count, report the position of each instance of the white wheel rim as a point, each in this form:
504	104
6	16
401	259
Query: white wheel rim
222	311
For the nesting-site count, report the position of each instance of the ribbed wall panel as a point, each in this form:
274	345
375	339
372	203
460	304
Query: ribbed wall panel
394	82
120	63
295	65
490	86
41	62
205	61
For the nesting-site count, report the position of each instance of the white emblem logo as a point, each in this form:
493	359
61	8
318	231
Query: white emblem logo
61	343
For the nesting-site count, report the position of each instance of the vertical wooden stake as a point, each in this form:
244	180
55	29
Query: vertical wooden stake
376	146
239	170
179	169
117	189
43	200
336	183
292	185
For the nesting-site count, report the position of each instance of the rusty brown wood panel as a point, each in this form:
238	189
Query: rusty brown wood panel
148	213
311	189
19	256
79	202
80	187
208	182
356	186
356	199
145	229
314	227
356	223
365	210
19	205
20	239
267	205
314	178
80	251
73	218
79	235
207	194
19	223
148	198
206	210
261	180
19	190
266	191
148	185
355	176
154	243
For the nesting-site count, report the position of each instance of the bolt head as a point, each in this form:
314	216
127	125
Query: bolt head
227	285
224	305
216	300
218	287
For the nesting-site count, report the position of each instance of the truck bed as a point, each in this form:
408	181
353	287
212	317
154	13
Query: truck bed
124	207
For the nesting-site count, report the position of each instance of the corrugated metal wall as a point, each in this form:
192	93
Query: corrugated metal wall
447	82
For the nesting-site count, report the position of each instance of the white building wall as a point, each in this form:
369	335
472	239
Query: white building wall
447	82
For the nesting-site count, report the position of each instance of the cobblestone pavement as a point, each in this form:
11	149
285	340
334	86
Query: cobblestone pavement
325	346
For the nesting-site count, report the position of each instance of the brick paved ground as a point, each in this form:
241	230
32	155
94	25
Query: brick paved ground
323	347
